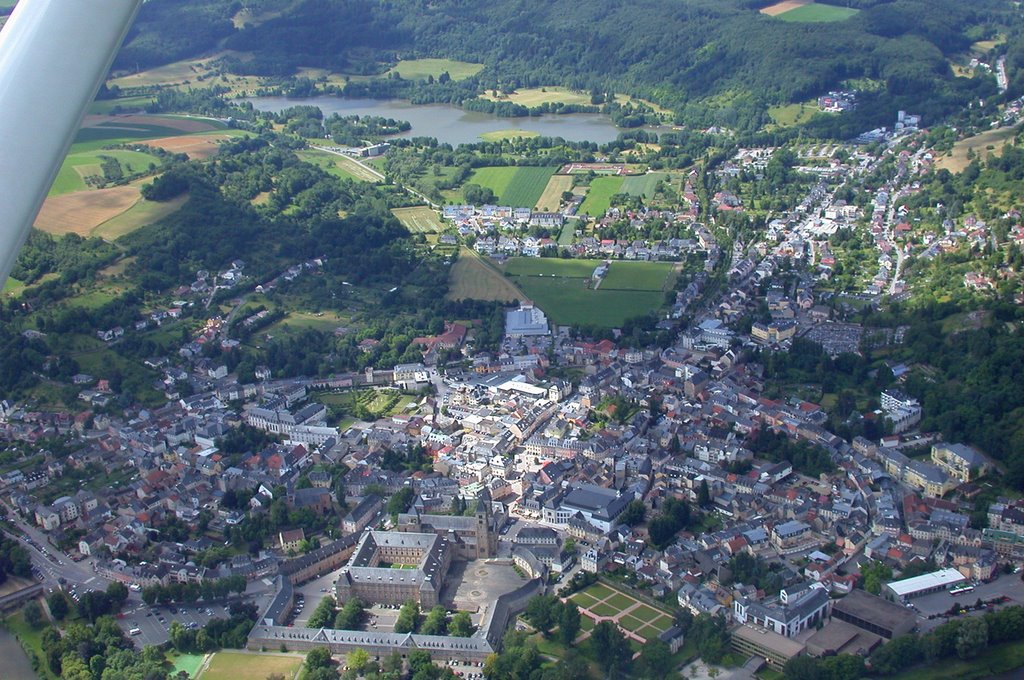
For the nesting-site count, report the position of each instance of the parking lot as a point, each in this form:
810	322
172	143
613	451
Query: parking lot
936	604
155	622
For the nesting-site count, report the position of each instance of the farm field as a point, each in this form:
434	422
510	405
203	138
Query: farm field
238	666
78	166
599	197
637	276
979	144
471	278
140	214
639	618
81	212
783	7
419	219
515	186
419	69
535	96
642	185
562	289
815	13
552	196
198	147
105	106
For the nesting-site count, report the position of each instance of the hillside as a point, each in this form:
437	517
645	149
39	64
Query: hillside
726	55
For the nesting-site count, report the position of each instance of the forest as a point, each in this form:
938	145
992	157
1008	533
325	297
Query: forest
710	62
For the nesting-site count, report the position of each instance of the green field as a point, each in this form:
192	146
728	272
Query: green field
599	196
792	114
98	136
419	219
569	301
637	276
543	266
515	186
77	166
815	13
642	185
420	69
139	215
471	278
333	164
105	106
240	666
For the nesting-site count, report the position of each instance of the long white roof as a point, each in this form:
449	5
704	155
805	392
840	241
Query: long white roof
941	578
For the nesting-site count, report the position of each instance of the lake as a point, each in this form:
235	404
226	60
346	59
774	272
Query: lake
452	125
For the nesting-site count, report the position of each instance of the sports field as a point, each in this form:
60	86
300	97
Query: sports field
564	289
637	276
599	196
816	13
642	185
471	278
241	666
515	186
418	219
638	618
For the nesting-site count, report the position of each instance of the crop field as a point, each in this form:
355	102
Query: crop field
637	276
238	665
471	278
783	7
535	96
515	186
814	13
419	219
83	211
639	618
552	196
563	289
197	147
420	69
599	197
140	214
642	185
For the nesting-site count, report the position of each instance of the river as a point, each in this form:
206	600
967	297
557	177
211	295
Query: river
452	125
16	665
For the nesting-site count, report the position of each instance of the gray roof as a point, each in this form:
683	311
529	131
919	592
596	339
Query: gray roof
598	501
